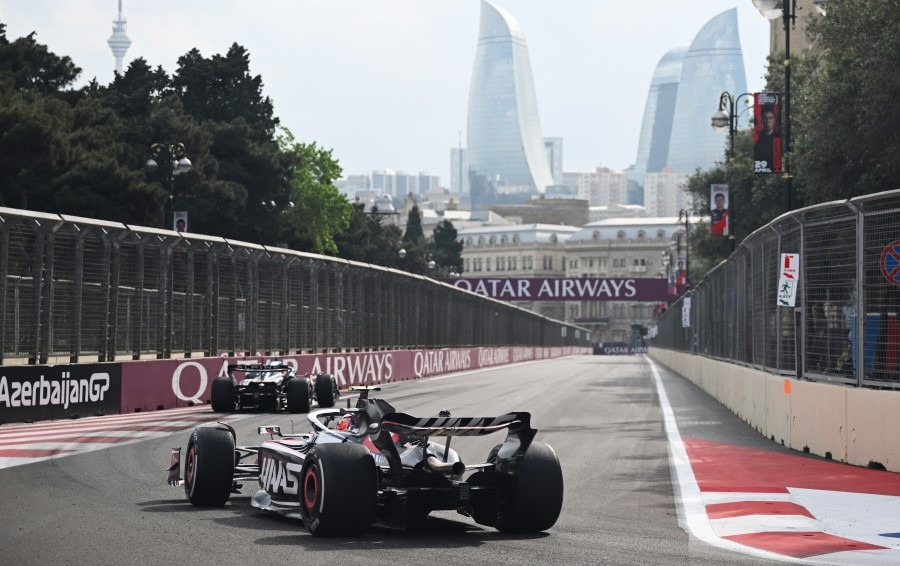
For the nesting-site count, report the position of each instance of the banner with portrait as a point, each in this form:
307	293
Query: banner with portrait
767	132
719	212
180	221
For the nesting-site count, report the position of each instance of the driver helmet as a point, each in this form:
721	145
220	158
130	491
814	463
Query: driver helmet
346	423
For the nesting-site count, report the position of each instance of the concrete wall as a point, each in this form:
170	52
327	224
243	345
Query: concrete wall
848	424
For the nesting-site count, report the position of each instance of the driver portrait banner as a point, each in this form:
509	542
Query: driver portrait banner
565	288
767	132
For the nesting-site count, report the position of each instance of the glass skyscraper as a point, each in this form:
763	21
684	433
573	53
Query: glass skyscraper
684	92
714	63
505	146
656	127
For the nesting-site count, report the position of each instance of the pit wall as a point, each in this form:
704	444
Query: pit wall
32	393
852	425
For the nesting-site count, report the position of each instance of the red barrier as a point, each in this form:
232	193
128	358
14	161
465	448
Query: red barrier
164	384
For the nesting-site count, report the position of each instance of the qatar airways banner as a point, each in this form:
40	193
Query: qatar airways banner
164	384
565	289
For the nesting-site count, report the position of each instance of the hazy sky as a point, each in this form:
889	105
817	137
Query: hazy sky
385	83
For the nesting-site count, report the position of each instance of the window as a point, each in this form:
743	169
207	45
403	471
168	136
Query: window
661	234
620	234
487	264
480	240
493	241
504	239
515	238
512	263
467	266
469	242
596	235
642	234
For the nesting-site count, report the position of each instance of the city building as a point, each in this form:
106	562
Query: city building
656	126
684	91
506	153
665	193
518	251
554	147
600	187
713	64
119	42
563	211
612	248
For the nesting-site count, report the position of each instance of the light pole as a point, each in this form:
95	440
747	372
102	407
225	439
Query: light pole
684	217
787	10
174	157
725	118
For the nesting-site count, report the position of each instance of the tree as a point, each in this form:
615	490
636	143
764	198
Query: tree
849	143
367	240
320	212
446	248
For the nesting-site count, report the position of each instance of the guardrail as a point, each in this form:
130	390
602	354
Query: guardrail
849	263
83	290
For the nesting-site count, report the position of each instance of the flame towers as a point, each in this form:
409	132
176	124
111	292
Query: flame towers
675	133
507	158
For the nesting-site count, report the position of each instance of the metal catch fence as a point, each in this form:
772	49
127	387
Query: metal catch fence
78	289
849	264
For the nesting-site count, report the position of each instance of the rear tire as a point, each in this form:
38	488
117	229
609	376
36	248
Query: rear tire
538	494
325	390
209	466
338	490
221	396
297	395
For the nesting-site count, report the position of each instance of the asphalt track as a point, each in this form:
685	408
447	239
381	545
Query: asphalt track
604	416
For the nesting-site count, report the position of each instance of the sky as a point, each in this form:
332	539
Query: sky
385	83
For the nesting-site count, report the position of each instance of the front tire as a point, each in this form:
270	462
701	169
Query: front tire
297	395
221	396
338	490
537	497
209	466
325	390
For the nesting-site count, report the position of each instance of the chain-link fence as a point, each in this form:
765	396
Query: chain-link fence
78	289
849	255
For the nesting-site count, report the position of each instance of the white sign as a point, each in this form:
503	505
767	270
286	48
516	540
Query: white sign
789	280
686	313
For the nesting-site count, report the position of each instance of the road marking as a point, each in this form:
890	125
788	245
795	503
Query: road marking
34	442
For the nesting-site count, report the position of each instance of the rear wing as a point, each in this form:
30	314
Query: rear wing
247	368
407	425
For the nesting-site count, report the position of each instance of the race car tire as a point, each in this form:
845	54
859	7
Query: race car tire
297	395
325	390
221	396
209	466
538	494
338	490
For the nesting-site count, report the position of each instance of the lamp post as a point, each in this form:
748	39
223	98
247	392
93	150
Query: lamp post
174	157
787	10
684	217
725	118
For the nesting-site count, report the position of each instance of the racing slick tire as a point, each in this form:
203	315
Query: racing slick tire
221	396
538	494
297	395
325	390
209	466
338	490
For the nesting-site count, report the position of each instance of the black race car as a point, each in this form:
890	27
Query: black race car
271	386
373	465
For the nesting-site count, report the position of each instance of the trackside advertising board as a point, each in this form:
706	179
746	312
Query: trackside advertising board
565	288
37	393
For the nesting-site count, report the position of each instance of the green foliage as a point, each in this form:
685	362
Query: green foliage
446	248
367	240
320	212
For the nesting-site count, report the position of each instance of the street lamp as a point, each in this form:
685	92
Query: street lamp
787	10
684	217
175	159
725	118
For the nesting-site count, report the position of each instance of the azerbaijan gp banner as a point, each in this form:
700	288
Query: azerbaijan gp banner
565	288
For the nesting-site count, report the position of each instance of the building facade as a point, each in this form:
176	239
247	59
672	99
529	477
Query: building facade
505	146
459	170
665	193
621	248
600	187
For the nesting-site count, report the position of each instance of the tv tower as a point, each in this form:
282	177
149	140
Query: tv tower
118	41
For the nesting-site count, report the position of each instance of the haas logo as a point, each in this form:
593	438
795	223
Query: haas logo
276	476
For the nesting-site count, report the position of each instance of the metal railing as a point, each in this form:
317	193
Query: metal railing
79	289
849	264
